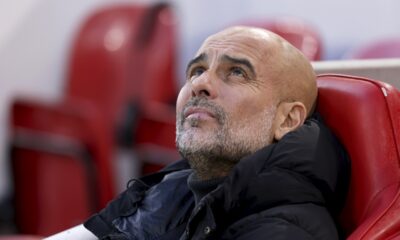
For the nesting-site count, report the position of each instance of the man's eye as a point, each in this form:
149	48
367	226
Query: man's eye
237	71
197	72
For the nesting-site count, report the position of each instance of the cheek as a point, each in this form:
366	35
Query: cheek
183	97
243	106
244	109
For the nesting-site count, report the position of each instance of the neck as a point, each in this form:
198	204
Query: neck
200	188
207	169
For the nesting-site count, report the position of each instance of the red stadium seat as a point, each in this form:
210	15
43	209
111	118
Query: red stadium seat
385	48
296	31
60	157
124	54
123	61
364	115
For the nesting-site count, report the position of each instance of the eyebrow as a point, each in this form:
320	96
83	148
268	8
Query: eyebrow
240	61
227	58
200	58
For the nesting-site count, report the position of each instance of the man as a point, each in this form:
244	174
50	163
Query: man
258	164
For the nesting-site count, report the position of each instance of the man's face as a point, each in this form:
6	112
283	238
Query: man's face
227	106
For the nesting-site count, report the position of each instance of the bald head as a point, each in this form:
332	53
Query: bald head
281	63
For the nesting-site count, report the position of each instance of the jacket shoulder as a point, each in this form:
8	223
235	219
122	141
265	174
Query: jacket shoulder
102	224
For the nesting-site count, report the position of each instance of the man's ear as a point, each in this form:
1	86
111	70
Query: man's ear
289	116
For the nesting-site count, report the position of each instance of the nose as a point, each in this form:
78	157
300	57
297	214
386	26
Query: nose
204	86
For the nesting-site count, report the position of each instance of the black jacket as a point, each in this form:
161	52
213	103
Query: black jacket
291	189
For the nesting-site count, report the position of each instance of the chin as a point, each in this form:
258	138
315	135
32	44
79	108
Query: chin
196	140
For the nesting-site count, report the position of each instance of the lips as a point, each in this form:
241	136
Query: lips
198	112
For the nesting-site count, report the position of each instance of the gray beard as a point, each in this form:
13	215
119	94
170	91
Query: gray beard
215	159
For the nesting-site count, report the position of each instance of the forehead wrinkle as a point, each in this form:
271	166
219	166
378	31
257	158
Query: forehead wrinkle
254	51
237	48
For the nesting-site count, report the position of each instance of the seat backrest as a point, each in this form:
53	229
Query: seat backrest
123	61
122	54
364	115
296	31
156	82
384	48
60	158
